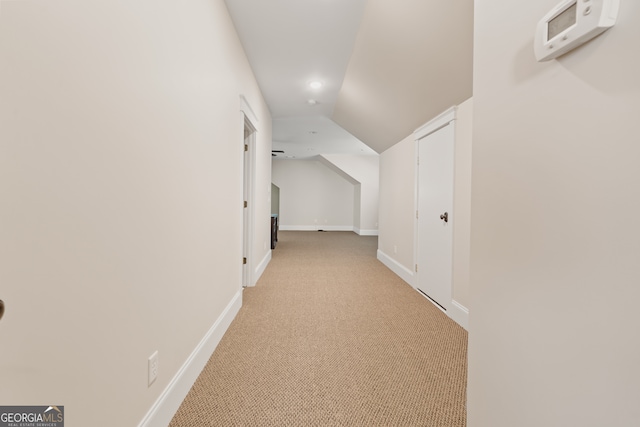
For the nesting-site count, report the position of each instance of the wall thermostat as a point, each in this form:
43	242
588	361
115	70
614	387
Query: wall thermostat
572	23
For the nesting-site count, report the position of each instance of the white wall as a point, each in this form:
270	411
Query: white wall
119	121
366	171
312	196
275	199
397	207
357	196
462	203
555	230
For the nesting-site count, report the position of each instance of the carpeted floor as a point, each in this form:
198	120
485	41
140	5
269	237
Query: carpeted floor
331	337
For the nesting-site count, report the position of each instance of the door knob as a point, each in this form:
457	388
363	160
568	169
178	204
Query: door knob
1	308
445	217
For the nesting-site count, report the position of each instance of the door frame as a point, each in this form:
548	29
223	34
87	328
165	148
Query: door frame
445	118
249	136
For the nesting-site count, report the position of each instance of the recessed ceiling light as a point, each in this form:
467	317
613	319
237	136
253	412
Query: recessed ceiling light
315	84
312	102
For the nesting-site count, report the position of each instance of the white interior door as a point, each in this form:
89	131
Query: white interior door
245	211
247	239
435	206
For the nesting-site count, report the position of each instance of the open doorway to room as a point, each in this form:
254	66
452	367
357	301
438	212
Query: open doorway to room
275	214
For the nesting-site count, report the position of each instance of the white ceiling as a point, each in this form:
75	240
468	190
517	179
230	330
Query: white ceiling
386	68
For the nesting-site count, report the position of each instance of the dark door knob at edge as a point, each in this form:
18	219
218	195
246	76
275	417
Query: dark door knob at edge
1	308
445	217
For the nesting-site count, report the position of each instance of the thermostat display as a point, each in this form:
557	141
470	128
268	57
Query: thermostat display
572	23
561	22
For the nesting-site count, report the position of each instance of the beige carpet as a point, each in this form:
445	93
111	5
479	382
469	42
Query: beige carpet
331	337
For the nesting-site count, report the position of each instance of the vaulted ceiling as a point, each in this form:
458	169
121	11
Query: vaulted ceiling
386	67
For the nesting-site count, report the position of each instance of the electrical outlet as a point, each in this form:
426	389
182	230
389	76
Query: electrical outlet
153	367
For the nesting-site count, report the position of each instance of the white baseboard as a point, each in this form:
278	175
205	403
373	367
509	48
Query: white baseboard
165	407
260	268
459	314
402	271
316	227
365	232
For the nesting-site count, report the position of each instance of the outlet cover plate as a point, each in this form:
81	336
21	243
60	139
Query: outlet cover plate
153	367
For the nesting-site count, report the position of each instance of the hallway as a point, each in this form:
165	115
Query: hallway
331	337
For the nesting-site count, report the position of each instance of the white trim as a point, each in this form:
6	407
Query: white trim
171	398
247	110
316	227
436	123
365	232
261	267
403	272
459	313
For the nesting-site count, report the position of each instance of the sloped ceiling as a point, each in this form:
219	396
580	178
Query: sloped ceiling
412	60
387	67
